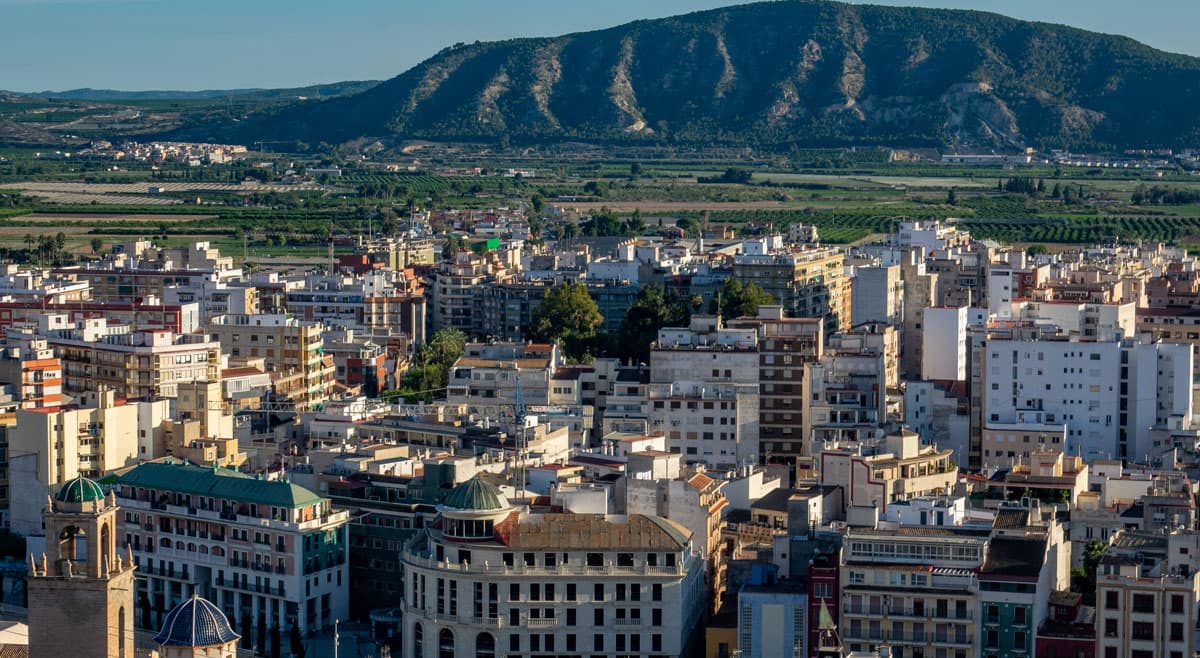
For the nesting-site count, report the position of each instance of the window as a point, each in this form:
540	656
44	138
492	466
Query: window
570	591
570	616
1143	630
1143	603
1110	627
656	592
598	617
656	617
1019	616
598	642
1177	604
1176	632
1110	601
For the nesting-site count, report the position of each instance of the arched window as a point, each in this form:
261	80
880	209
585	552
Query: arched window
191	547
218	551
203	549
179	545
164	542
418	641
485	646
105	548
446	643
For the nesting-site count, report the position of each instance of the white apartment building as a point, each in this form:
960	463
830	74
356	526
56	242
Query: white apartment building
705	351
490	580
710	423
877	295
1110	394
944	344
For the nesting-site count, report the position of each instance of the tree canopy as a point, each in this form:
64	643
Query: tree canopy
568	315
430	371
735	300
653	310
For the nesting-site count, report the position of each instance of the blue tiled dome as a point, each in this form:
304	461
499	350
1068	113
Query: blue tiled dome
80	490
475	495
195	623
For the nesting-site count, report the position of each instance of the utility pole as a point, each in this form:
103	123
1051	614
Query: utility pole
335	638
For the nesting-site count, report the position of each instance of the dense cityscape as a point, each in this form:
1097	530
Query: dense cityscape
782	330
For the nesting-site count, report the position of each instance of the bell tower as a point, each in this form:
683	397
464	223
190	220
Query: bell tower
80	589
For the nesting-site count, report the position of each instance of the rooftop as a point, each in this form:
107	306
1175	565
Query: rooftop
218	483
599	532
1013	557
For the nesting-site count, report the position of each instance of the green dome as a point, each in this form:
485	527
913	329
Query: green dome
475	495
80	490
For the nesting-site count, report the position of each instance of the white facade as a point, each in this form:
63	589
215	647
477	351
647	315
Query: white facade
716	424
944	344
570	584
1108	393
878	295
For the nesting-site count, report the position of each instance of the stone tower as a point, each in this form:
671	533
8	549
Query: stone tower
81	590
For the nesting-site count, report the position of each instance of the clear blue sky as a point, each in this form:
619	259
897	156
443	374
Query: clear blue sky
219	44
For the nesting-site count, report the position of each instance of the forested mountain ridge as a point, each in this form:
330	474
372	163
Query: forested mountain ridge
775	74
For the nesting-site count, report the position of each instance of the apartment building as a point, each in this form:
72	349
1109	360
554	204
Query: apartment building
141	314
487	579
914	589
807	281
383	302
1147	608
490	374
878	295
845	392
49	446
266	550
289	347
30	367
898	468
454	286
710	423
135	363
656	485
1111	394
785	345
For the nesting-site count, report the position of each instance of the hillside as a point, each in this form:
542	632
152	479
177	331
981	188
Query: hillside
776	74
330	90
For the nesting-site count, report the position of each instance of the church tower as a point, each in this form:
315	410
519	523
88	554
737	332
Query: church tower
80	589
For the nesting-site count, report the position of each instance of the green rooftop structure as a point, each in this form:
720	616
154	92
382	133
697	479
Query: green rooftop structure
80	490
182	477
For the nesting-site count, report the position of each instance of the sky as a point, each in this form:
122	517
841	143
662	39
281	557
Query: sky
227	44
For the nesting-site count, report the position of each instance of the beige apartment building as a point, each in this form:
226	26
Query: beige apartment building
808	282
135	364
292	350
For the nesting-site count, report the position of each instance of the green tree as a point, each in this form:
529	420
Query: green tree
97	245
653	310
444	348
1036	249
635	169
1093	553
537	204
951	197
736	300
568	316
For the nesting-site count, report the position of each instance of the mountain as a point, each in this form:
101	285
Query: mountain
777	74
116	96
